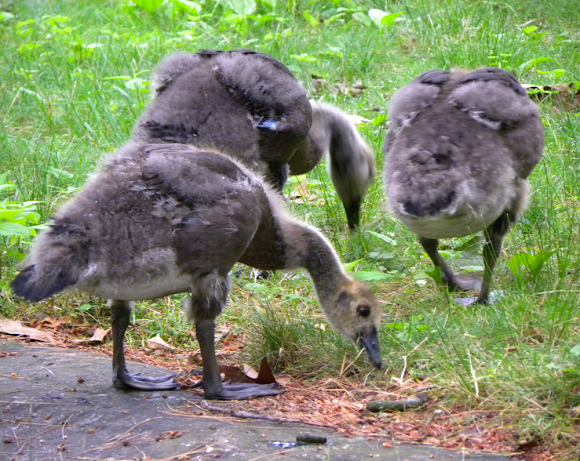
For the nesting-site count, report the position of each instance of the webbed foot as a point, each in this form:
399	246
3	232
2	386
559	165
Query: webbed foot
126	380
465	301
463	283
242	391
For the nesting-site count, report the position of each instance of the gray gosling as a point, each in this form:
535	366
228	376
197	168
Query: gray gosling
249	105
457	155
159	219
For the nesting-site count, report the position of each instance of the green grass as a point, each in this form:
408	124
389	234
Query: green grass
74	81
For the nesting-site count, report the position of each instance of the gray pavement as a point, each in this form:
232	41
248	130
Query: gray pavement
59	404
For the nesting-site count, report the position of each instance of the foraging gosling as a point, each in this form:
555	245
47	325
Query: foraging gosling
249	105
457	155
160	219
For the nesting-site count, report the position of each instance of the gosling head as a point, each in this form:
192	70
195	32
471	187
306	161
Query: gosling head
356	314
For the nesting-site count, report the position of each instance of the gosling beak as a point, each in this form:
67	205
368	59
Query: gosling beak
371	344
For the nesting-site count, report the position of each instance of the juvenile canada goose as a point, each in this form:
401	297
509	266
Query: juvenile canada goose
249	105
457	155
161	219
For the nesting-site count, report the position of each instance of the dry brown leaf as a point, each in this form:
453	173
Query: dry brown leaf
14	327
157	344
284	380
98	337
265	376
565	95
300	190
249	371
234	374
300	194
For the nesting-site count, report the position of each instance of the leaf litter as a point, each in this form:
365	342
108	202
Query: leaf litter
337	403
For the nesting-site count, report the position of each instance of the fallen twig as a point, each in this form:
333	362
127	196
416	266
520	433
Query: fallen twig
397	405
245	415
129	431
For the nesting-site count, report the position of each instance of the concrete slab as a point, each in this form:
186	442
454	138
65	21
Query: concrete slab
59	404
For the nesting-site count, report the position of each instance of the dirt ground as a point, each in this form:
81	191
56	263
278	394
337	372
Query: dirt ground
59	404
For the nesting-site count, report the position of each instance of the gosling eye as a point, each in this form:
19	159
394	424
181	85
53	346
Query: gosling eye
364	311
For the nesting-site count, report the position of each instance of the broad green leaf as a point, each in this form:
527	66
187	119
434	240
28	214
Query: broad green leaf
119	77
365	276
333	18
312	21
27	216
532	62
379	119
243	7
55	20
137	84
186	5
472	268
148	5
8	215
58	173
4	15
382	18
575	350
304	57
382	255
8	229
383	237
528	30
533	263
254	287
390	18
362	18
349	267
301	298
376	15
435	274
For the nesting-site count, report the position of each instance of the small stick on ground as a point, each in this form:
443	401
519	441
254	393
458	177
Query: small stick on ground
245	415
397	405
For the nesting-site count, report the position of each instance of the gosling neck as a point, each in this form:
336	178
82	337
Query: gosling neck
324	266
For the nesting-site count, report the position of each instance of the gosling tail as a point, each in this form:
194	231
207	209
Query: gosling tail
58	256
32	288
351	161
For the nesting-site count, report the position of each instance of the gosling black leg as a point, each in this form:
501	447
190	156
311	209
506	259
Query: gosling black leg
120	315
352	210
213	388
449	277
494	236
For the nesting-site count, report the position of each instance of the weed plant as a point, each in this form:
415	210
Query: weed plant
75	78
